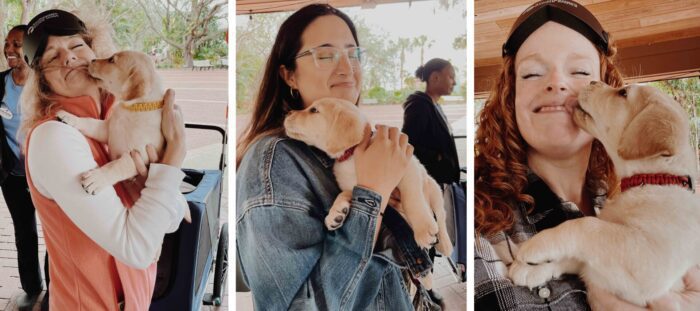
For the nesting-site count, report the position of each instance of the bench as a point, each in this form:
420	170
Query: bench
201	64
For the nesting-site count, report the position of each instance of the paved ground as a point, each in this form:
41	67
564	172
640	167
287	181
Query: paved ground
454	292
203	97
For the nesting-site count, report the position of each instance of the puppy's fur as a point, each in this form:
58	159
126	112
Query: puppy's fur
646	238
132	78
335	125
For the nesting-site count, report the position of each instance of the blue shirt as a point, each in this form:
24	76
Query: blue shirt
289	260
11	99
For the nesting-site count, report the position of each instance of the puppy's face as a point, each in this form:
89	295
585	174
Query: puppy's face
330	124
127	74
632	122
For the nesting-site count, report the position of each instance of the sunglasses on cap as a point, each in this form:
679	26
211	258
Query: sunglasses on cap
565	12
45	24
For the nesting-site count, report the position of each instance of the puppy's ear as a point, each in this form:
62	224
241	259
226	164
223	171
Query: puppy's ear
344	129
656	130
138	83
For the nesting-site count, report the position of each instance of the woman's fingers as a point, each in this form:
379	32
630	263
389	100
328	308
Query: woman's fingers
138	162
152	154
394	135
365	140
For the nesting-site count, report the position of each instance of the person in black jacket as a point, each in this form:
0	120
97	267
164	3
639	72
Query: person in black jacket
429	130
12	176
427	126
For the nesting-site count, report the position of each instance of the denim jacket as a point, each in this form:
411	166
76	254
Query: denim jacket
289	260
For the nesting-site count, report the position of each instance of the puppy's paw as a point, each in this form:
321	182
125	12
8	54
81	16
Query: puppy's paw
524	274
336	216
425	233
539	249
94	180
444	247
68	118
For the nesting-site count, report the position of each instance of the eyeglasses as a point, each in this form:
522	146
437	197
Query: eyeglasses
326	57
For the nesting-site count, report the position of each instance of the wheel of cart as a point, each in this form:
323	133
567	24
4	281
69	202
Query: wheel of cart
189	254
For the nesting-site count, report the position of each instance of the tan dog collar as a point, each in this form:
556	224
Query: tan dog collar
141	107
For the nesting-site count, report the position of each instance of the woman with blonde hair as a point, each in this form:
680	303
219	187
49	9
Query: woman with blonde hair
534	168
103	247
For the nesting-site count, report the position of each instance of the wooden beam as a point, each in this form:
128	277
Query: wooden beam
651	62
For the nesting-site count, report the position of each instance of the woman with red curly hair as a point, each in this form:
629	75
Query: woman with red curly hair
534	167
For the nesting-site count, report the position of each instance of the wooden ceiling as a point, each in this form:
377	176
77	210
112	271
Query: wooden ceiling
655	38
270	6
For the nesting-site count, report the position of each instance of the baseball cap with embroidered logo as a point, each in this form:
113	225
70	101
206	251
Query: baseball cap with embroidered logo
45	24
565	12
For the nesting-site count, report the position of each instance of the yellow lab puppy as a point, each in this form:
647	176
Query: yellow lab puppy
336	126
134	121
647	236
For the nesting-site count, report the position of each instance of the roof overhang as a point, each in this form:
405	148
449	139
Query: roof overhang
656	39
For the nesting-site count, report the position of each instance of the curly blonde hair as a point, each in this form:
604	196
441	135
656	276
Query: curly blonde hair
35	100
501	152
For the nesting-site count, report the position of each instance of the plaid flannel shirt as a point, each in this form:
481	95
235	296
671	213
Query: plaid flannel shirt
494	254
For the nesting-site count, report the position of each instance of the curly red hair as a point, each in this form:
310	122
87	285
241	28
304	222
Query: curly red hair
501	153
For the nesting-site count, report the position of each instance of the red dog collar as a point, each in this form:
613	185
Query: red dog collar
347	154
656	179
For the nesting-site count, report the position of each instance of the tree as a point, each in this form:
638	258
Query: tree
254	41
460	43
422	41
403	45
185	23
381	57
687	93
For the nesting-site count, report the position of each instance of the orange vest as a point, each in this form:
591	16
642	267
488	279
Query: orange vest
83	275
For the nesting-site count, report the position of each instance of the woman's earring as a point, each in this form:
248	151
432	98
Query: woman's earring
291	93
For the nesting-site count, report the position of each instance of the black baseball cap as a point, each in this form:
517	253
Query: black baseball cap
565	12
45	24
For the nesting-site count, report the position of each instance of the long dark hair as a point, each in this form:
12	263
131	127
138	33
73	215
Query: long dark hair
274	98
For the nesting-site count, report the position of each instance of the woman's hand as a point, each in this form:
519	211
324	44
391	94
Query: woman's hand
381	162
689	299
173	128
395	200
141	167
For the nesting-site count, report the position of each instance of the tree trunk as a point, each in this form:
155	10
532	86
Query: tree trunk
24	19
188	51
403	57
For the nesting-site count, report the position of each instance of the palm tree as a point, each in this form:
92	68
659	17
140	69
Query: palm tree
422	41
403	44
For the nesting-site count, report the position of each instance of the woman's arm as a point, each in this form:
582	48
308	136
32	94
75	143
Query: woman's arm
290	261
59	154
287	257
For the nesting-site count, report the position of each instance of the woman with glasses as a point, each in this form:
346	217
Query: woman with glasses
285	187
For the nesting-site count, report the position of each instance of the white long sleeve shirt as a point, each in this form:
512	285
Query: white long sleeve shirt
59	154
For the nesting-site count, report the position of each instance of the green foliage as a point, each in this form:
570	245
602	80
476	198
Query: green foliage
254	40
687	93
